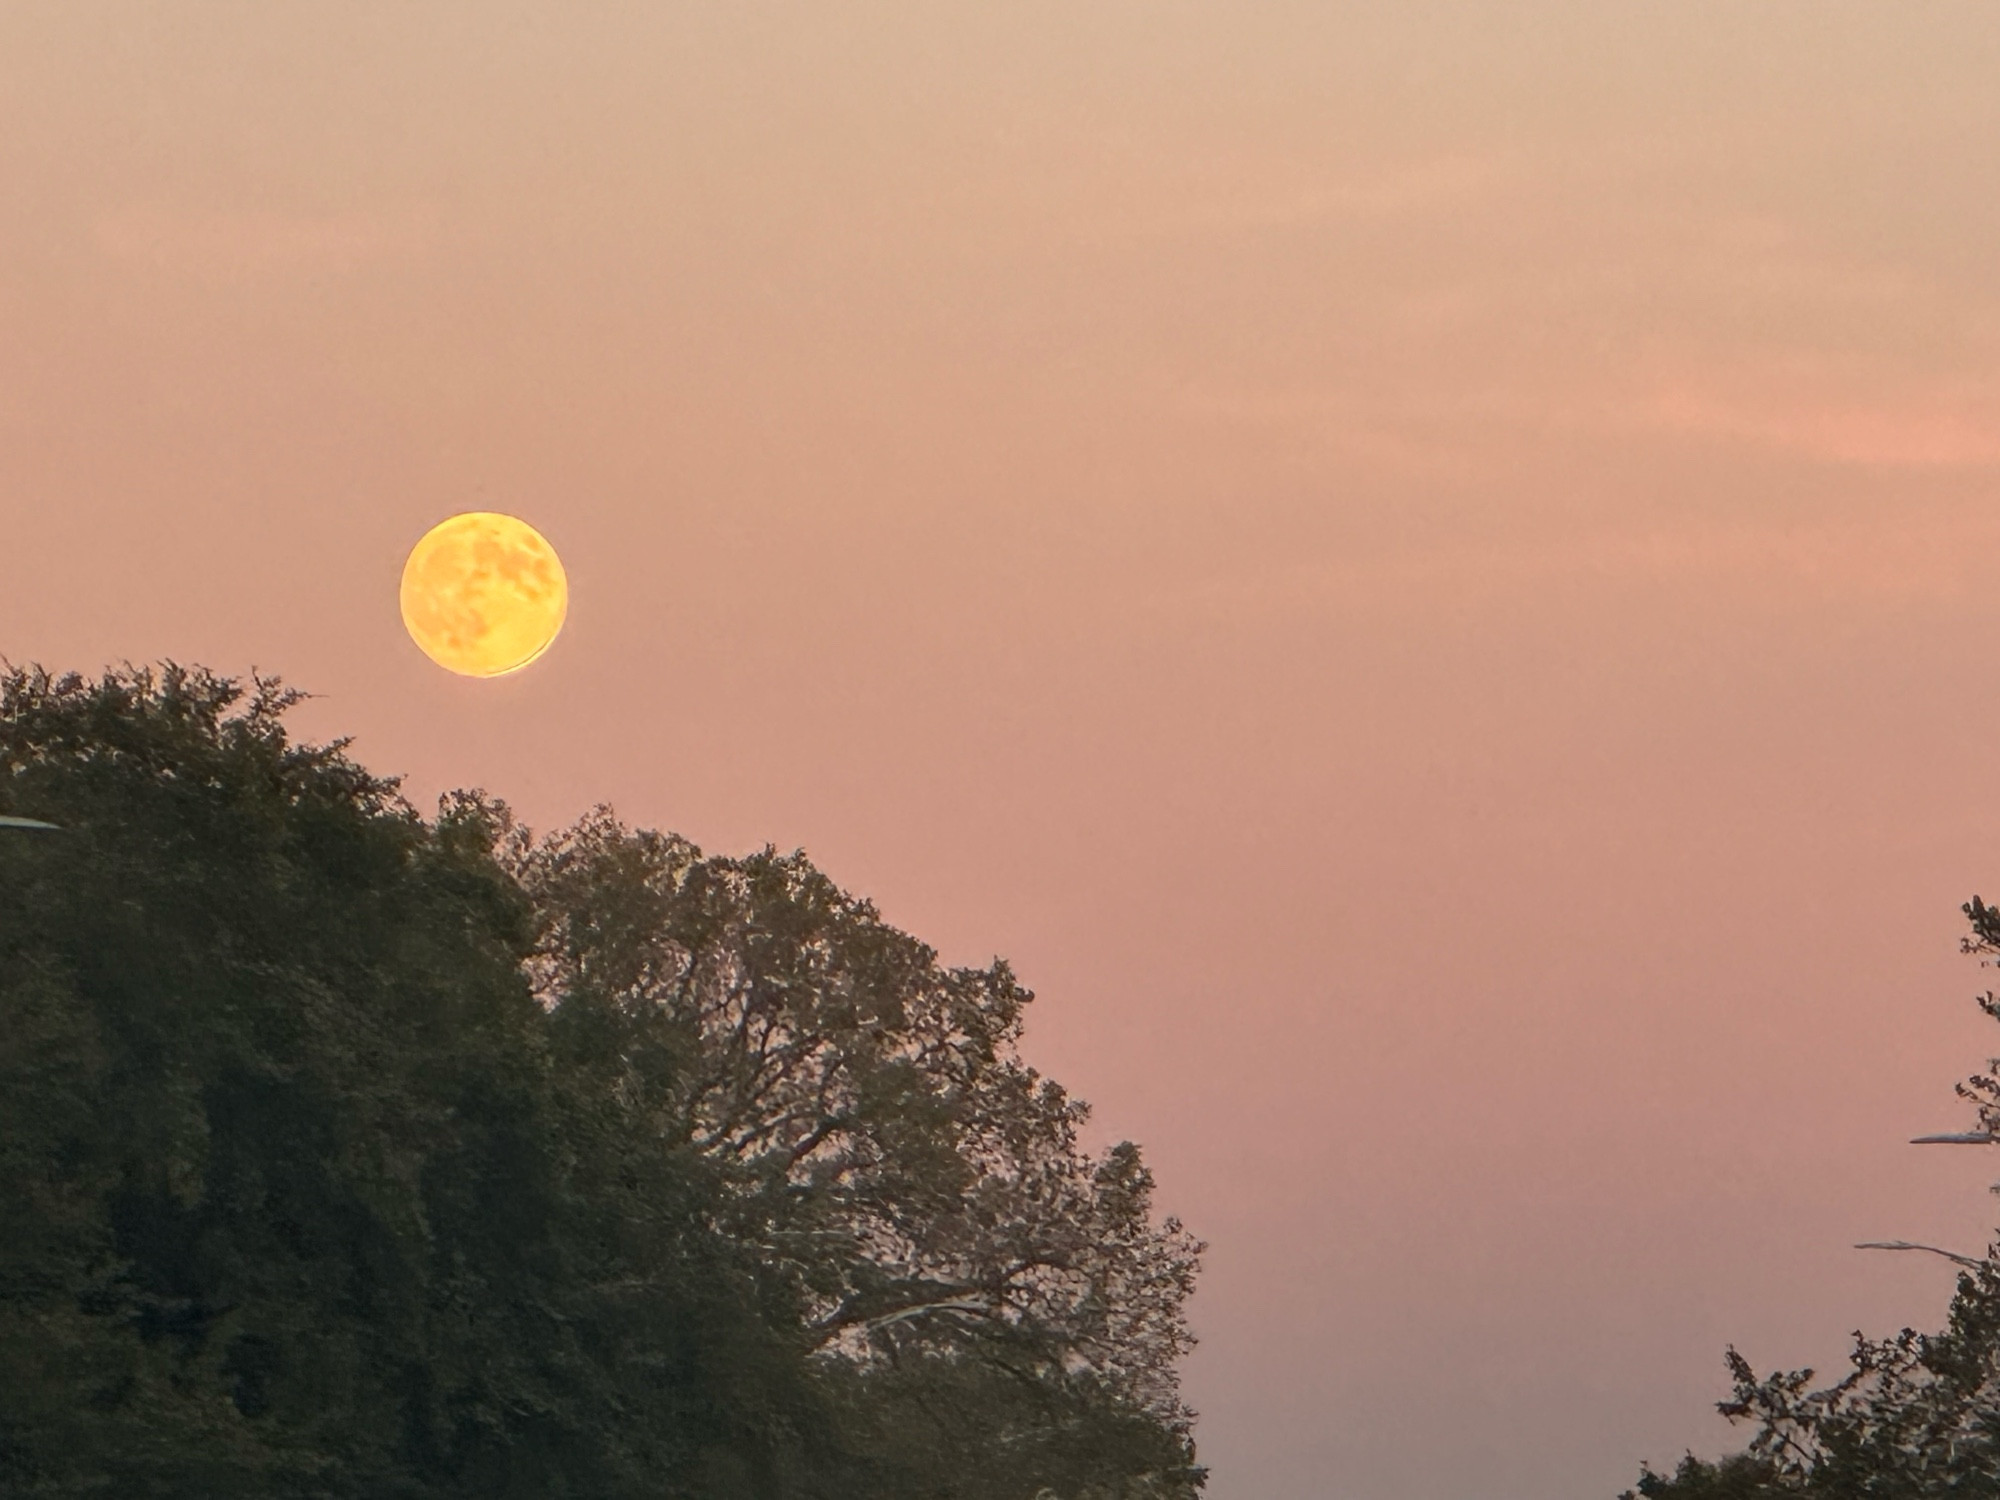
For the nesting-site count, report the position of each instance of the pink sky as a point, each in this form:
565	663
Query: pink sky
1423	570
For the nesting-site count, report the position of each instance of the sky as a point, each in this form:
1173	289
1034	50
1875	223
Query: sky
1423	571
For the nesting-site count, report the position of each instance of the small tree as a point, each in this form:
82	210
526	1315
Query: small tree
1917	1416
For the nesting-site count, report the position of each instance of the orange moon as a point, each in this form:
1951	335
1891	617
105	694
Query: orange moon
484	594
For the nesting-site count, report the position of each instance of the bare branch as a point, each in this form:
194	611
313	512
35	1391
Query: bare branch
1950	1255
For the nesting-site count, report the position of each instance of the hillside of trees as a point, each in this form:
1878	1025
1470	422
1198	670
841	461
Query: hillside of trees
1916	1416
348	1152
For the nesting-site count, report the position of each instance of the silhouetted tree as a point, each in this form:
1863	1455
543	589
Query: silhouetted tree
1916	1417
883	1146
345	1153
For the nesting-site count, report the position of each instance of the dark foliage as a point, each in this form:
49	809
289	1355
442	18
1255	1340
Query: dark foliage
1737	1478
919	1189
325	1172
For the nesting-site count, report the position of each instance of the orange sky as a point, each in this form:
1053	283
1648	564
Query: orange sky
1422	569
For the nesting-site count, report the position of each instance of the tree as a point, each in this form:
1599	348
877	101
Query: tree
1917	1416
919	1188
345	1153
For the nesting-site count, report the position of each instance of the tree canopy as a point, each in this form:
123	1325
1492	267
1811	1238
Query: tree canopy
1915	1417
349	1152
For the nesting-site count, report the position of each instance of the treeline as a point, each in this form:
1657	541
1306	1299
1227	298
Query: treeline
345	1152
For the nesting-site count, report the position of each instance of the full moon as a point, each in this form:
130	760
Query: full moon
484	594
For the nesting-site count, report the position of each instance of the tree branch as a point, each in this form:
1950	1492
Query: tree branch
1951	1255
